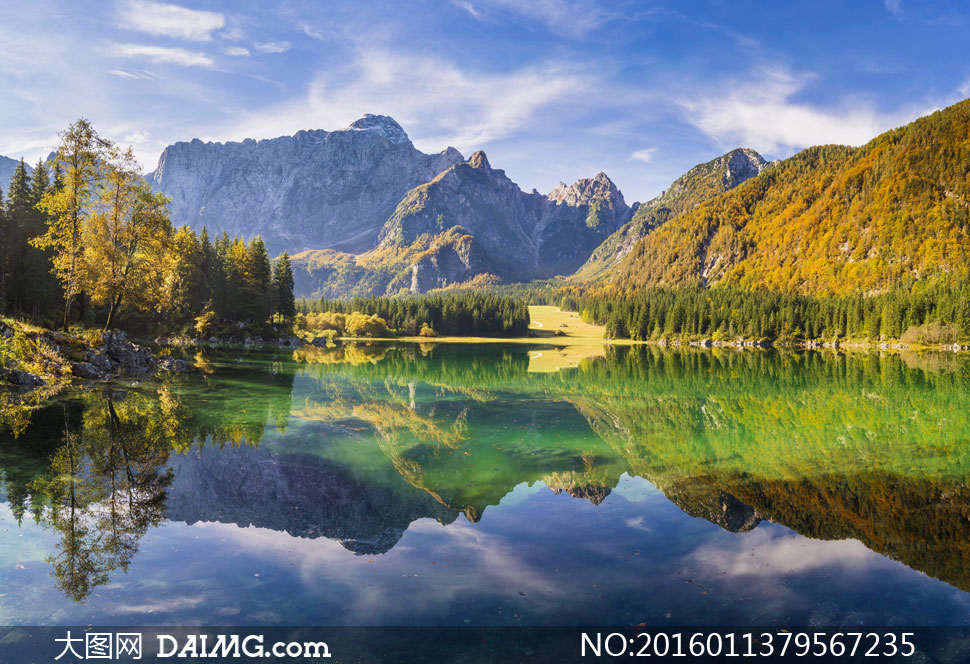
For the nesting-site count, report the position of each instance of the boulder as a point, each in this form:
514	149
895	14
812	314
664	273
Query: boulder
131	358
86	370
25	379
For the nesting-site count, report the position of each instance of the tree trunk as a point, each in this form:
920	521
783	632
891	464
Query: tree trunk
115	304
67	310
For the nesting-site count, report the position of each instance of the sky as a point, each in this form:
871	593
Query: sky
552	90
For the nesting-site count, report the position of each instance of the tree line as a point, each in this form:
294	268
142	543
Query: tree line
463	313
938	314
84	239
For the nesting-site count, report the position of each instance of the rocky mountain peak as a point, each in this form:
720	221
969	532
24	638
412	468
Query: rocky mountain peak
452	155
479	161
384	125
585	190
314	190
742	164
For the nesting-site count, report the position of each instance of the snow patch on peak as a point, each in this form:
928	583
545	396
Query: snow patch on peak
385	125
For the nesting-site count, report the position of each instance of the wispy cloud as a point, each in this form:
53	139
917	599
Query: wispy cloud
236	51
564	17
763	114
177	56
156	18
467	6
447	104
272	47
895	7
645	155
123	74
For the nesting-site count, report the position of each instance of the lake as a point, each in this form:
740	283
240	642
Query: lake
447	485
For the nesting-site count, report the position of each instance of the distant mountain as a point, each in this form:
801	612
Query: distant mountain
524	236
7	166
831	219
313	190
471	223
694	187
366	213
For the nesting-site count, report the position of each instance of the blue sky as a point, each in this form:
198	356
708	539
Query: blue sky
551	89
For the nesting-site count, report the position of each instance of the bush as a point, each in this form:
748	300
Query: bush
427	331
205	324
931	333
362	325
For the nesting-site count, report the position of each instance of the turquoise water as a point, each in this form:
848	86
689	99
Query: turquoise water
407	485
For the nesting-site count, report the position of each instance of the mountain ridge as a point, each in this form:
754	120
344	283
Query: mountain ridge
694	187
315	189
830	219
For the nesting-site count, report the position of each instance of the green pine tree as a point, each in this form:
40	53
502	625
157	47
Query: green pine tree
283	285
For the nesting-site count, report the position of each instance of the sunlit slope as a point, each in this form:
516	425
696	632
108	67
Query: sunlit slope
829	219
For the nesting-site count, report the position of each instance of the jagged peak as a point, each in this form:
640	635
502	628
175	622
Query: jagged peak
584	189
382	124
452	153
480	161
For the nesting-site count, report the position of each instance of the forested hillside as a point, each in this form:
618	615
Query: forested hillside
832	219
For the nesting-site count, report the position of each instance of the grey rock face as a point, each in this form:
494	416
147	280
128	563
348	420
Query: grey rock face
524	236
742	164
313	190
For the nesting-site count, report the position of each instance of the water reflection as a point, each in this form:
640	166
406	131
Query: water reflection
356	444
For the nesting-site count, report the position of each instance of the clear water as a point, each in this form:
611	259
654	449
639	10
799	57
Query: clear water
407	485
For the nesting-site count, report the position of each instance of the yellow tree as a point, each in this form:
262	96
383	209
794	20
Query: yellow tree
126	236
79	159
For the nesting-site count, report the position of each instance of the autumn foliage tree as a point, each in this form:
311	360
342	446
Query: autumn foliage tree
80	158
126	237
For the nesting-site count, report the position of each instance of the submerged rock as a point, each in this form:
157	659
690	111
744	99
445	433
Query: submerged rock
169	364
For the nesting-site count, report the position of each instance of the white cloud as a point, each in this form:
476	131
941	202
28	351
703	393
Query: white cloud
567	17
645	155
763	115
272	47
444	103
123	74
468	7
156	18
895	7
178	56
237	51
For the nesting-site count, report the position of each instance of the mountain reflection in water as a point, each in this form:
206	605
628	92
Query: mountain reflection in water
356	444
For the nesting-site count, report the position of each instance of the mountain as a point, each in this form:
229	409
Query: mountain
524	235
831	219
313	190
694	187
471	222
7	166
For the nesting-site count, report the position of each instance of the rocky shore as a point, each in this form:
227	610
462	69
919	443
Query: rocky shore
810	344
44	358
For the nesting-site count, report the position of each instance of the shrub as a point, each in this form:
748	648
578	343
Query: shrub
931	333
